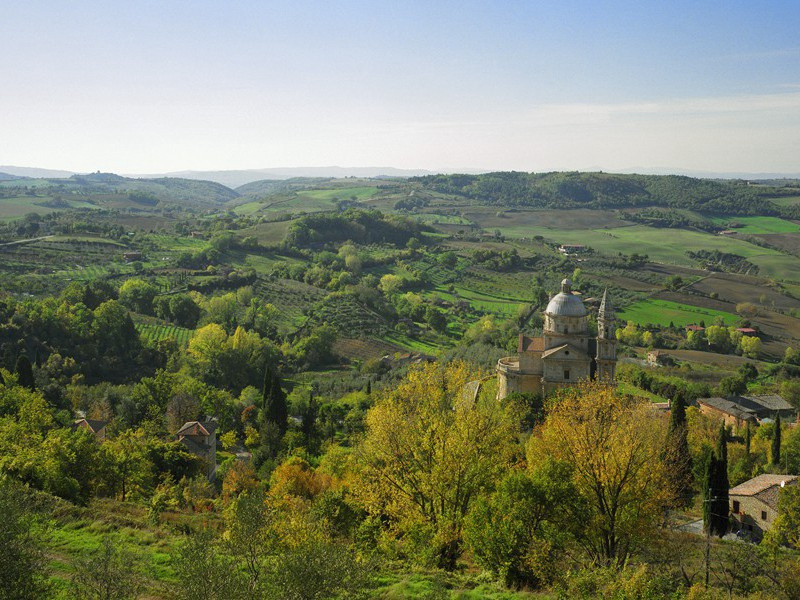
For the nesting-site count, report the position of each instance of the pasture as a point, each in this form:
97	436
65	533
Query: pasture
756	225
18	206
663	312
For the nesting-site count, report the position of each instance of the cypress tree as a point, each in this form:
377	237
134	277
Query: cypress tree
368	389
309	425
747	437
24	371
677	457
717	498
708	483
776	442
273	403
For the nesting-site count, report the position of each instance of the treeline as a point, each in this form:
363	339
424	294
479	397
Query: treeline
359	226
604	190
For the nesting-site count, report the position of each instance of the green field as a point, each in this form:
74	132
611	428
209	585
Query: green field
11	208
757	225
789	201
435	219
360	193
163	332
664	312
666	245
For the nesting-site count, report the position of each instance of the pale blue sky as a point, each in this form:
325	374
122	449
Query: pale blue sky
146	86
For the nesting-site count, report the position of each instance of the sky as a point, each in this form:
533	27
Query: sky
156	86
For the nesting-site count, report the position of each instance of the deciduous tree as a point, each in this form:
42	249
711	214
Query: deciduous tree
432	446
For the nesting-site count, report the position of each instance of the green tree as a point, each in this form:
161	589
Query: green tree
716	486
677	457
516	532
615	446
273	401
23	571
786	529
430	450
251	536
108	573
776	443
24	371
203	571
138	294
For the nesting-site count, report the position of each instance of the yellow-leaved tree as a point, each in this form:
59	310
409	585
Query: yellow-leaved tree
615	446
432	445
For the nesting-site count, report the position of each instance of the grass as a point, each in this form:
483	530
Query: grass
361	193
623	387
664	312
789	201
435	219
757	225
668	246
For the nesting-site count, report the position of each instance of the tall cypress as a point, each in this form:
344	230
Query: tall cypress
717	499
24	371
678	458
776	442
273	403
747	437
309	425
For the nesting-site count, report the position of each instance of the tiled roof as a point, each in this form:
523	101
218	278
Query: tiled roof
728	407
193	428
576	352
765	487
530	344
95	425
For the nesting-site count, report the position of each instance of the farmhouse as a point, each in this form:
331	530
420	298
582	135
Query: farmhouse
200	438
565	353
132	256
754	503
572	248
95	427
736	410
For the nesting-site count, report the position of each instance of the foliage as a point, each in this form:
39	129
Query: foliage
430	449
23	561
514	533
614	446
108	573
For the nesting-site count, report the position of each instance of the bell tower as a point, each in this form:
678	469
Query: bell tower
606	341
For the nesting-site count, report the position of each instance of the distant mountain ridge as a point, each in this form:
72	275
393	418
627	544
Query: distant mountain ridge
34	172
237	178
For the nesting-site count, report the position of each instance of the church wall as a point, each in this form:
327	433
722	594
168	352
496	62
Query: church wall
530	362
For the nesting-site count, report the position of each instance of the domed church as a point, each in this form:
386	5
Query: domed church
564	354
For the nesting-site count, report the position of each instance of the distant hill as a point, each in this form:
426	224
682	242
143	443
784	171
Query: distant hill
606	190
167	189
266	187
234	179
34	172
8	176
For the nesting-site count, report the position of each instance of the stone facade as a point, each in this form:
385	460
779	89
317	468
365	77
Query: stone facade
565	353
754	503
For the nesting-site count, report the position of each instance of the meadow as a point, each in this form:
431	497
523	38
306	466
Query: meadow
663	312
756	225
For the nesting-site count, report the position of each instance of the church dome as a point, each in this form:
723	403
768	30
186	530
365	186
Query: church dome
565	303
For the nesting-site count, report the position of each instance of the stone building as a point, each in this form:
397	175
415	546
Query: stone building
565	353
200	438
754	503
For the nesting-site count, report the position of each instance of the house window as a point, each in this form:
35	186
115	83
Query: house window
566	373
763	515
736	507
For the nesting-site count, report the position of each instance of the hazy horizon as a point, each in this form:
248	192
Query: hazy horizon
150	87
